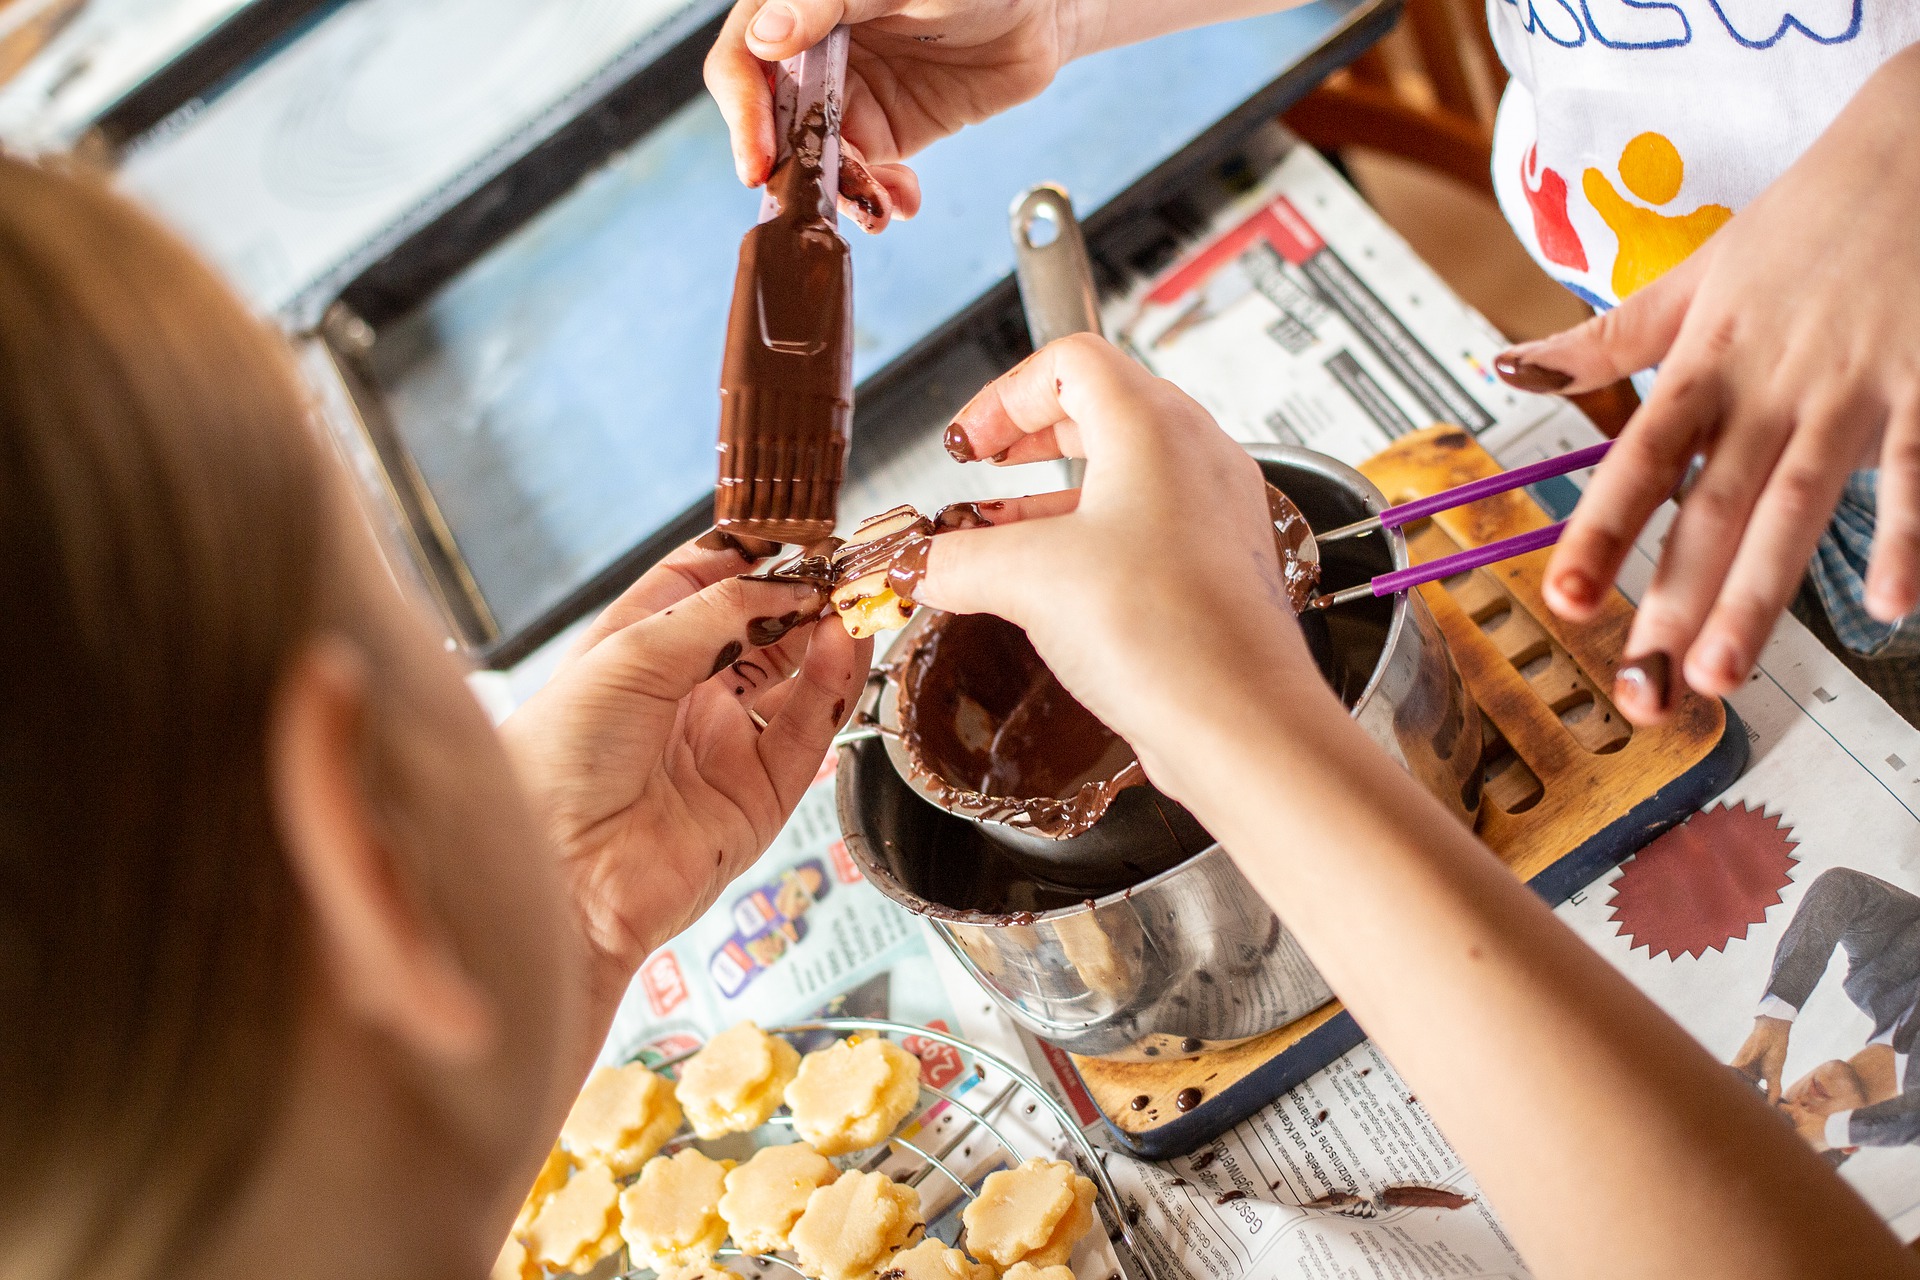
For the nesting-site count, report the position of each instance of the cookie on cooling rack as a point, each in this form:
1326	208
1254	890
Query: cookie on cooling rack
708	1270
671	1217
734	1083
1033	1213
848	1096
578	1224
852	1224
621	1118
1027	1271
766	1195
553	1175
932	1260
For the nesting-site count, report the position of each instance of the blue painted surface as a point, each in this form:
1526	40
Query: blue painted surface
560	395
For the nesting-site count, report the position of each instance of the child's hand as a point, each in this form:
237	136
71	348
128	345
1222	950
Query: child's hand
918	71
655	783
1153	590
1789	354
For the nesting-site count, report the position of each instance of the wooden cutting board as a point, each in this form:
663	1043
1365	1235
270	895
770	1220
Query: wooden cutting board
1571	788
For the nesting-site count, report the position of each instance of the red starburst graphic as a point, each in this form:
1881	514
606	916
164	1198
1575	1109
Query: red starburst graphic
1704	883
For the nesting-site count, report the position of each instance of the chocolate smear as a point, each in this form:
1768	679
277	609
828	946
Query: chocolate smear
762	632
1418	1197
725	658
745	546
993	734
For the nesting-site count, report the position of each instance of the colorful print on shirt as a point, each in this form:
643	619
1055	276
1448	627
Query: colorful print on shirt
1632	130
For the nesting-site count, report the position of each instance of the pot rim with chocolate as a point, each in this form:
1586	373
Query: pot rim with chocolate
1116	973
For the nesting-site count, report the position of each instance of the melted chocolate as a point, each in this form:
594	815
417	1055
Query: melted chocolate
1140	1102
786	380
1290	534
745	546
1187	1099
994	735
762	632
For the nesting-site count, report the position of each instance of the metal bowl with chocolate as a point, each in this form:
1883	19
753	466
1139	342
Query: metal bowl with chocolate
1127	932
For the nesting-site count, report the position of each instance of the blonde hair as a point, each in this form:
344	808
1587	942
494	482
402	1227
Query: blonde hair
160	535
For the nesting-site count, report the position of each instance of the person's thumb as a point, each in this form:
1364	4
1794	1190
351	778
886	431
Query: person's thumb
1614	344
991	570
783	28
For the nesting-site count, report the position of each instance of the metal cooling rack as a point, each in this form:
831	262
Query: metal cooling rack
934	1151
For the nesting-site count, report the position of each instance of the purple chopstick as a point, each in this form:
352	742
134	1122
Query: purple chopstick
1446	566
1472	491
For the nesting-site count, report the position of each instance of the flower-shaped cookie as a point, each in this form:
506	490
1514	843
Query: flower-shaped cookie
852	1224
671	1216
1027	1271
932	1260
621	1118
848	1096
766	1195
1034	1213
734	1083
578	1224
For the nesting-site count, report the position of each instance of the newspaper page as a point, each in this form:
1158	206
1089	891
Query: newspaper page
1303	319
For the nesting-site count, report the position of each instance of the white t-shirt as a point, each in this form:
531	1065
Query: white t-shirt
1633	129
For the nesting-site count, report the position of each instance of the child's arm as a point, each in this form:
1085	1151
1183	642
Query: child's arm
922	69
1607	1139
1789	353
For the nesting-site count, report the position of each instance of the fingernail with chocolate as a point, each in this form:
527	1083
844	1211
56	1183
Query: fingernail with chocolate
1647	679
908	568
1518	371
865	200
959	448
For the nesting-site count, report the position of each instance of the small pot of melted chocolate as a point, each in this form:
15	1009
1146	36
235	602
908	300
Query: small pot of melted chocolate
1096	912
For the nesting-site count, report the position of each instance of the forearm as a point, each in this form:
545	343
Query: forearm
1108	24
1606	1137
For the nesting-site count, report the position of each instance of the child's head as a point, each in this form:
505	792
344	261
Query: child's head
249	818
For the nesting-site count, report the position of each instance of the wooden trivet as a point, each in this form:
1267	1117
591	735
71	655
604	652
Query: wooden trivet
1571	788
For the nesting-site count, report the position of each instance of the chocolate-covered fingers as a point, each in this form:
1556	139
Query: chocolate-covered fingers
804	713
667	655
758	32
693	566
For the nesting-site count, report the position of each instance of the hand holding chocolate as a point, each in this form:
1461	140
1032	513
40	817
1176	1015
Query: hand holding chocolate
870	577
